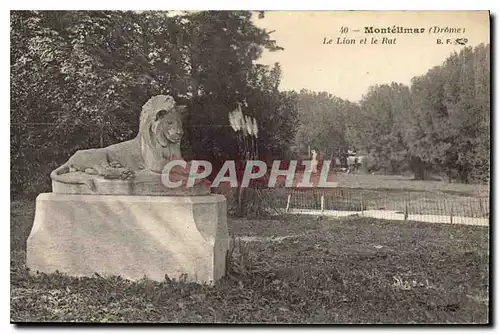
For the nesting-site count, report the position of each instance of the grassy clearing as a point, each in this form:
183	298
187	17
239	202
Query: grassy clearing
369	181
341	271
399	182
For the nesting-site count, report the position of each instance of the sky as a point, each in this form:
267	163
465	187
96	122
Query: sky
348	70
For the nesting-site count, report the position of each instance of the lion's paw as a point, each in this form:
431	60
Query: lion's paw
90	171
122	173
127	174
115	164
74	168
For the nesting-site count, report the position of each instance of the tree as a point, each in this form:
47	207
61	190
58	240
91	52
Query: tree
440	124
324	123
80	78
451	108
384	113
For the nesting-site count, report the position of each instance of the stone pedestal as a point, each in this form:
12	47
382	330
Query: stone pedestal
130	236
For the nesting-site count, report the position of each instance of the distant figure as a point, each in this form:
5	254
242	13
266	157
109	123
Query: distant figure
314	162
356	165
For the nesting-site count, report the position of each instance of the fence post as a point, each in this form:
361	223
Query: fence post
102	133
406	208
362	204
288	202
481	213
451	214
322	202
472	211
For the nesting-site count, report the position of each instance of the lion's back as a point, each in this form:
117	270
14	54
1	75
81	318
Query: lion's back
126	153
87	158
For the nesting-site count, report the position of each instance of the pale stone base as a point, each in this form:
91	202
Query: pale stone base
130	236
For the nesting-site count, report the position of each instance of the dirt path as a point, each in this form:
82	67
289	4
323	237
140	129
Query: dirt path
396	215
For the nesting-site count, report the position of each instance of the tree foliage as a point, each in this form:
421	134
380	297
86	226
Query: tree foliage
451	115
440	124
80	78
325	123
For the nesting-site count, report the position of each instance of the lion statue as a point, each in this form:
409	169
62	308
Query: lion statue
158	141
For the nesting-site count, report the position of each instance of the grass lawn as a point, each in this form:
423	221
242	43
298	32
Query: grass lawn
398	182
369	181
352	270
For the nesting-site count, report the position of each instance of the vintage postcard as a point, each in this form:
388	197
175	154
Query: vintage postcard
277	167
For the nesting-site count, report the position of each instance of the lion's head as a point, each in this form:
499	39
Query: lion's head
160	129
161	122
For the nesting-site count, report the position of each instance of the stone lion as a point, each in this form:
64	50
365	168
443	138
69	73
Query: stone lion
158	141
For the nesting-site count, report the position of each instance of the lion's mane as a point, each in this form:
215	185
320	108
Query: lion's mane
153	153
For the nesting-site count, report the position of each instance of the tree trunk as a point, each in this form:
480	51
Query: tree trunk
463	175
418	168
